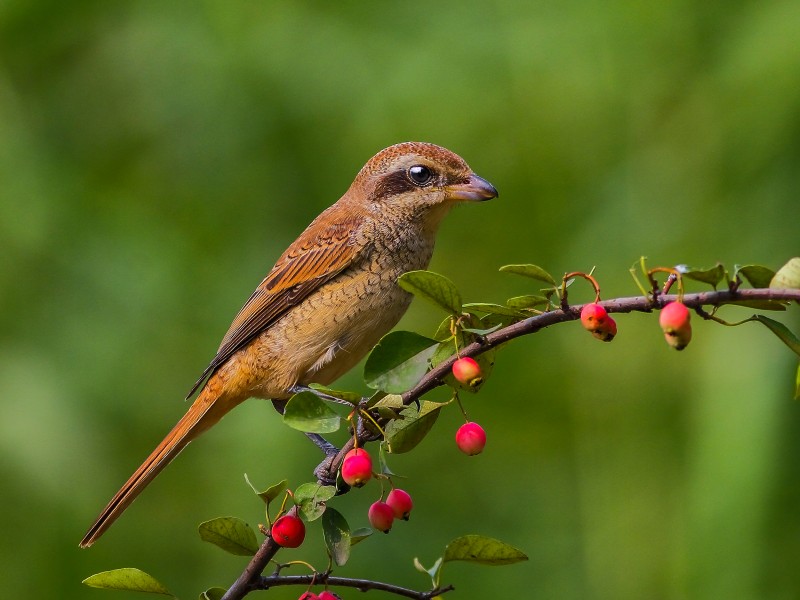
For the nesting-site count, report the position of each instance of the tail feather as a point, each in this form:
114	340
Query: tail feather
204	412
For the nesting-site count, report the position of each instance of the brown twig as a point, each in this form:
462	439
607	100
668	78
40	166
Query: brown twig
434	377
362	585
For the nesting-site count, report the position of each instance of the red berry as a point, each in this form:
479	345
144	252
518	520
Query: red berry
309	596
593	316
289	531
381	516
674	316
400	502
467	372
326	595
595	319
357	467
607	331
471	438
675	320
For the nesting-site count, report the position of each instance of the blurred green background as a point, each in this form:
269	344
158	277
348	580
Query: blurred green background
156	158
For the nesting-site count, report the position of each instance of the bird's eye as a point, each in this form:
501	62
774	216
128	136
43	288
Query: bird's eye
420	175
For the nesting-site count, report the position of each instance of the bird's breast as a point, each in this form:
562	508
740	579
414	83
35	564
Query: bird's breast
335	327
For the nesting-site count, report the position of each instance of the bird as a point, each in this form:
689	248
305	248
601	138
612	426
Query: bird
329	298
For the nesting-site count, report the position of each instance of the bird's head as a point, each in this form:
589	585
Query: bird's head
419	180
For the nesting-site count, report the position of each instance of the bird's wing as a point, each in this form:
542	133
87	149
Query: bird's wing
314	258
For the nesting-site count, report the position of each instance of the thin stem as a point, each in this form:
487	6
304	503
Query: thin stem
588	277
674	274
363	585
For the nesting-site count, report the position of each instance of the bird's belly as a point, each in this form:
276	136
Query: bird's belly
328	333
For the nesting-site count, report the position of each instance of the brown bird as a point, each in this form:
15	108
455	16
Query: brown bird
328	300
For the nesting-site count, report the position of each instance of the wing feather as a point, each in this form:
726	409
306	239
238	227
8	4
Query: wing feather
318	255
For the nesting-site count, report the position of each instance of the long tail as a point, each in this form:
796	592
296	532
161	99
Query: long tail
205	411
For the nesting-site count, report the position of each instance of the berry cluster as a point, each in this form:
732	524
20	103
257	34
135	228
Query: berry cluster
674	321
356	471
470	437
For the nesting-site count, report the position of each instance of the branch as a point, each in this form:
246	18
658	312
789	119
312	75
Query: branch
362	585
244	584
435	377
251	579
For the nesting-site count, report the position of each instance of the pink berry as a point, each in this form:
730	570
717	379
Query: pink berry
381	516
607	331
401	503
471	438
675	320
309	596
674	316
467	372
289	531
357	467
593	316
326	595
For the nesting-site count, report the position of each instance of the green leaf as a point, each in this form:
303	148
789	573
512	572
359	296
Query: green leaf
384	466
376	397
485	331
311	497
434	571
272	492
469	324
758	276
231	534
387	406
710	276
529	301
788	276
350	397
433	287
307	412
783	332
360	534
398	362
443	331
129	579
444	351
483	550
215	593
390	401
797	384
532	271
336	532
404	434
497	309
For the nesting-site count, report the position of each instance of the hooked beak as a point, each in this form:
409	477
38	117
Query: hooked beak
476	189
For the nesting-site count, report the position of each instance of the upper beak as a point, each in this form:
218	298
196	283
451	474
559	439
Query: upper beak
476	188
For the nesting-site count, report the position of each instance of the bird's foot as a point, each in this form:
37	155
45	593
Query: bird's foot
296	389
320	442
